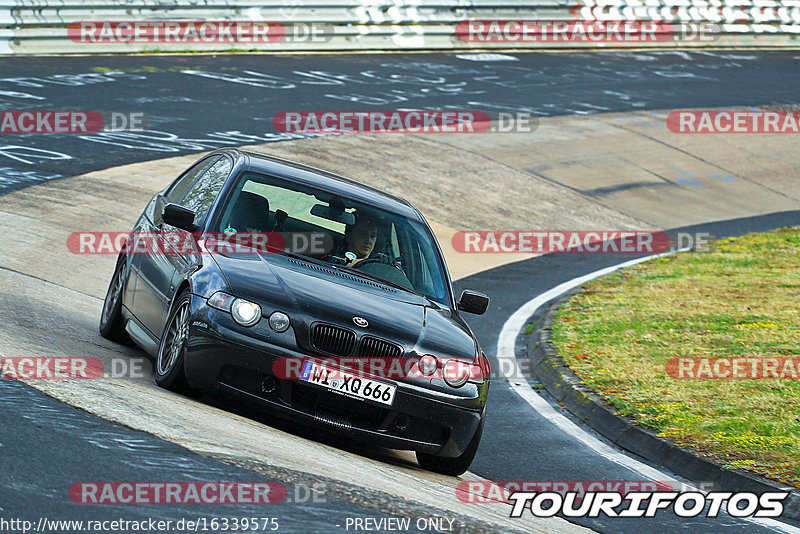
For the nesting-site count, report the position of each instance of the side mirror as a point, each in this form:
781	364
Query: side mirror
473	302
179	217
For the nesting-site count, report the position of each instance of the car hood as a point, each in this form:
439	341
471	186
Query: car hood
309	293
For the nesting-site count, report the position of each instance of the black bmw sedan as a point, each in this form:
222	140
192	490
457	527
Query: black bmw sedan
309	295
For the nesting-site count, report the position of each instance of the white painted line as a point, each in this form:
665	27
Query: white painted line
487	57
6	35
505	351
5	40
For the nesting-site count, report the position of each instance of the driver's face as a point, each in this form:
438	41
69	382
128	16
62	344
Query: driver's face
361	240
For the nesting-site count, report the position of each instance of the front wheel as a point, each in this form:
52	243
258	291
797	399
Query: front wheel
453	466
111	324
168	367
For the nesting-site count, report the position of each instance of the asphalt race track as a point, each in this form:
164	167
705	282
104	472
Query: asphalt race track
74	445
197	103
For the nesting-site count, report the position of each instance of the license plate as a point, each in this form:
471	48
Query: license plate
348	384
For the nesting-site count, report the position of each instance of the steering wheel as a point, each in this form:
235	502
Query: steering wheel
389	271
373	261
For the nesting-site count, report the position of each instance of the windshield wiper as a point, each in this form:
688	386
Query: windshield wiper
378	279
297	256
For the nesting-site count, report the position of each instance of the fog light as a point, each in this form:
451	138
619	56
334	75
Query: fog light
245	313
279	321
402	421
268	385
456	373
427	364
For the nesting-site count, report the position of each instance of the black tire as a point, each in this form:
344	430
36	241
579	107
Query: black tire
453	466
111	324
168	367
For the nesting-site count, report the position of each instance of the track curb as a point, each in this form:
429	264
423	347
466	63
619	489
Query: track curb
591	409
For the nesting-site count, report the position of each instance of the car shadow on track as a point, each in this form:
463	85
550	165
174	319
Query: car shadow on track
392	457
388	456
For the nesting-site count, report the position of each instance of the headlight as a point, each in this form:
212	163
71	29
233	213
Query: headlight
279	321
245	313
427	364
456	372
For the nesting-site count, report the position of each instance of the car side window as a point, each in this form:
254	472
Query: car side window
205	189
179	188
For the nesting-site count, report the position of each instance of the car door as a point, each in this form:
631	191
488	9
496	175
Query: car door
160	269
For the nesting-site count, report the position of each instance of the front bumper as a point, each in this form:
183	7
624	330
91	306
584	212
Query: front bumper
225	357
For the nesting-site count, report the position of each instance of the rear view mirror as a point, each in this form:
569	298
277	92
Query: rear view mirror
179	217
333	214
473	302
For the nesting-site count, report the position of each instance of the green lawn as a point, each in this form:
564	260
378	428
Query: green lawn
739	299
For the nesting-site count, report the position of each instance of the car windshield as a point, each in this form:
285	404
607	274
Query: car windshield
348	234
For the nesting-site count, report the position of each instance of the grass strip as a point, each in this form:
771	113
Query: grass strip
738	299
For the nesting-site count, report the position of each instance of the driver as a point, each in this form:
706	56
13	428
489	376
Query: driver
360	240
359	244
